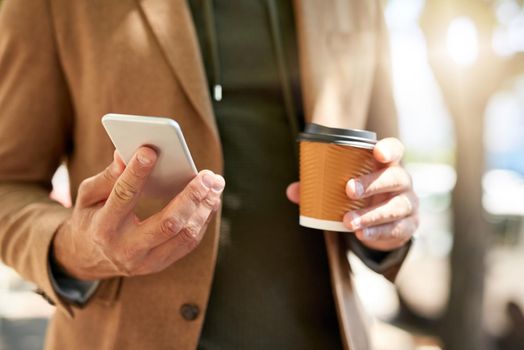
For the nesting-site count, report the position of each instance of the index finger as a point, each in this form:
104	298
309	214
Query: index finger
188	208
388	150
97	188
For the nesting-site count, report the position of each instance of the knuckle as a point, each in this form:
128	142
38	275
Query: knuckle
169	227
392	215
130	253
378	216
192	230
396	178
194	195
209	202
124	191
386	216
84	186
138	172
190	236
124	266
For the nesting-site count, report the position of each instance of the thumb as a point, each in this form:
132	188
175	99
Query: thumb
389	151
293	192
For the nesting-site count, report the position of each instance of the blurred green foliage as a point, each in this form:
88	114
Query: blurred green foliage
446	156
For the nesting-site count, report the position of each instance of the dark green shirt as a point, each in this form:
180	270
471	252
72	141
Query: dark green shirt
271	287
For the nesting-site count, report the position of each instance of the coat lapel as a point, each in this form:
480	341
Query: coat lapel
353	325
171	23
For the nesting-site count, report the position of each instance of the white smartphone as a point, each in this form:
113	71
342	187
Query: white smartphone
174	167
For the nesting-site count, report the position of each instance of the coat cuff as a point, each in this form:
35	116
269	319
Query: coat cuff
72	290
45	226
386	263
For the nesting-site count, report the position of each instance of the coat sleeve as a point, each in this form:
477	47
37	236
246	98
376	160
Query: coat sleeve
35	127
382	118
387	264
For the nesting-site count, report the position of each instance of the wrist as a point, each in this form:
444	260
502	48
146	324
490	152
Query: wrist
60	252
383	246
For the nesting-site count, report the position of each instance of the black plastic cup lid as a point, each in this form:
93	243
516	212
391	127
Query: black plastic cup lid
349	137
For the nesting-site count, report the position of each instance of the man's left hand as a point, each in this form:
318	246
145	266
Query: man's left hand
391	218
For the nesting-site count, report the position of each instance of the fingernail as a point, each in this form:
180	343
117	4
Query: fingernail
143	159
370	233
356	187
356	221
208	180
219	184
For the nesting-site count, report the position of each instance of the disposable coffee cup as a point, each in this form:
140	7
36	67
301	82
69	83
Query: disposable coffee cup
329	157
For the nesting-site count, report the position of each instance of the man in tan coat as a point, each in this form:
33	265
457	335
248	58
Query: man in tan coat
120	281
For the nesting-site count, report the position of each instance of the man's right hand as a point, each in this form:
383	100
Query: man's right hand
104	238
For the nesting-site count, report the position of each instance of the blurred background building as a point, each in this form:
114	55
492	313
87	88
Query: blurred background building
458	77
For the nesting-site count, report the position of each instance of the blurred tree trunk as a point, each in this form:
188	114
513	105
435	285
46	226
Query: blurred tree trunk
462	325
466	90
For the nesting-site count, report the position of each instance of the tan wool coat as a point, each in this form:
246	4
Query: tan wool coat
64	64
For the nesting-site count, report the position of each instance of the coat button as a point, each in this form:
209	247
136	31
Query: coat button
189	312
